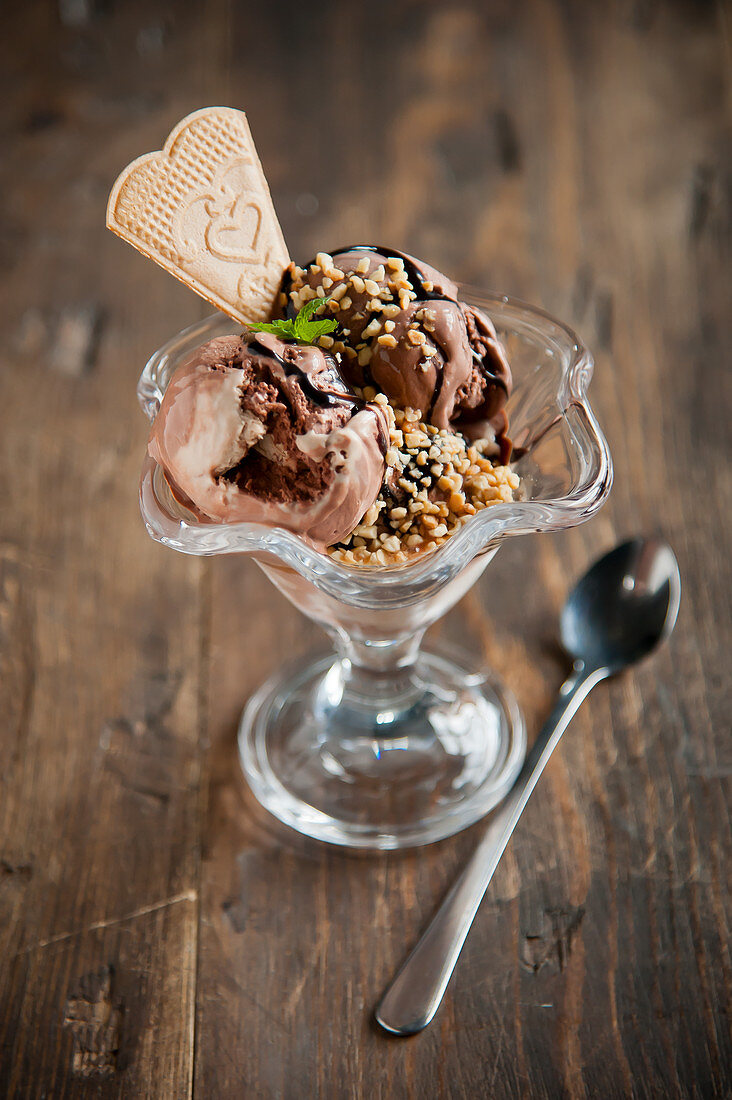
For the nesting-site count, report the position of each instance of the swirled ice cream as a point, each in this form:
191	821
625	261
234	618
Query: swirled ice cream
254	429
404	331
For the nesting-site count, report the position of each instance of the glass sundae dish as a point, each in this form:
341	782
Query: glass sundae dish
369	431
382	744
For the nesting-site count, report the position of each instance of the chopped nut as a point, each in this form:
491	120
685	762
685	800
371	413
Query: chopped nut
387	340
415	439
423	459
389	326
363	265
372	329
371	286
415	337
357	283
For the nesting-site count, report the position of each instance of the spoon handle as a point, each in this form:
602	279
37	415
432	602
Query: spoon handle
414	995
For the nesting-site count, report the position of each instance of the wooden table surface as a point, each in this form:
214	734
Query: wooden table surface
160	937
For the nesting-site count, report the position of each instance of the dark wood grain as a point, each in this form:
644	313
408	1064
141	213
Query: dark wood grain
159	935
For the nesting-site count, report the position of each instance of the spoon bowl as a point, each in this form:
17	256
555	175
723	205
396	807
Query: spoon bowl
623	606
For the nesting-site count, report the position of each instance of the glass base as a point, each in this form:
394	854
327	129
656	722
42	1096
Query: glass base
381	762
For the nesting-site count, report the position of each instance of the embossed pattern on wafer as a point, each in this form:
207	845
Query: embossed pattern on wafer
201	208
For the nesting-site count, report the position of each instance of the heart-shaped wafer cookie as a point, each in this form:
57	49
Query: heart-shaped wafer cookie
201	208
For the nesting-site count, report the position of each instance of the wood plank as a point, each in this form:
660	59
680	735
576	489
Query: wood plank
99	629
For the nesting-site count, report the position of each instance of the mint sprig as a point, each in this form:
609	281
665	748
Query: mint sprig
302	328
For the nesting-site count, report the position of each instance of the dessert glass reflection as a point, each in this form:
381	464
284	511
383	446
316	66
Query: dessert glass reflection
382	744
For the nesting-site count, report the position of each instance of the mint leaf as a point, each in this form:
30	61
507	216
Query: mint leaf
309	308
319	328
302	328
284	329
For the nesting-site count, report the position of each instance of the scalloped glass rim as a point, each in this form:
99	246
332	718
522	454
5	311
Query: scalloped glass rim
398	585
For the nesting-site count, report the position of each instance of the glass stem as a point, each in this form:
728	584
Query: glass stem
378	674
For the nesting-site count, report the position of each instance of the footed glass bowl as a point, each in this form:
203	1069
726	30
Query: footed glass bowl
381	744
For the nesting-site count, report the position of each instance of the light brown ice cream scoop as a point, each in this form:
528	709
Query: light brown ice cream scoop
258	429
404	331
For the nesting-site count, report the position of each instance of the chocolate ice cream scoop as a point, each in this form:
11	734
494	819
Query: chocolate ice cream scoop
404	331
259	429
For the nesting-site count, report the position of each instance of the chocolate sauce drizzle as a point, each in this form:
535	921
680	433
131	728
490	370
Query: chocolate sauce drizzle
321	396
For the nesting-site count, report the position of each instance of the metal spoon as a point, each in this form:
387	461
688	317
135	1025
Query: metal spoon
620	610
